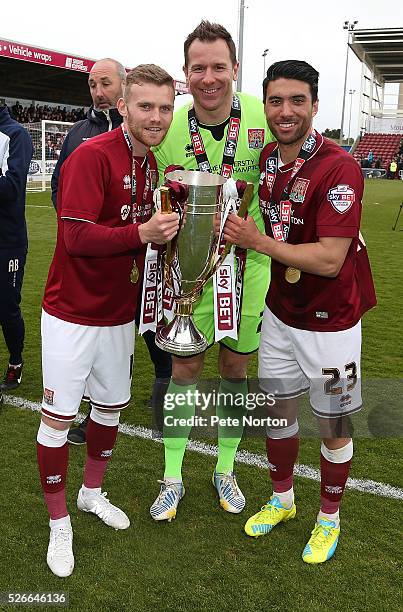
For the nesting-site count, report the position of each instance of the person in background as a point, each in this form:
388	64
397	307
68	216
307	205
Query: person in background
392	169
16	152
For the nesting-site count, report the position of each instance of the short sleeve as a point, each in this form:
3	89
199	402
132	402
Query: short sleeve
340	201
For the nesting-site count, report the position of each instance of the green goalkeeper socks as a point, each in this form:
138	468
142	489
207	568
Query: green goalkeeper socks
179	403
230	405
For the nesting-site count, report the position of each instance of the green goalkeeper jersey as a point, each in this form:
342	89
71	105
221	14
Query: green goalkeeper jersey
254	134
177	149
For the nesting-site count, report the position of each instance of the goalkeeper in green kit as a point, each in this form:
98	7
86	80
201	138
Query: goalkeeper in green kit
220	132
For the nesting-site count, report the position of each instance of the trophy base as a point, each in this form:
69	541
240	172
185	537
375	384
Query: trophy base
181	337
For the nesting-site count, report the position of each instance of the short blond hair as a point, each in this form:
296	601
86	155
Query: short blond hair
148	73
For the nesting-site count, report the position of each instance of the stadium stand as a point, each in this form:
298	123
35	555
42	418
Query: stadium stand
380	52
47	90
35	73
36	112
383	146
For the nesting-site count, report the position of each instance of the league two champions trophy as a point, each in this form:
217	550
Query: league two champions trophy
194	255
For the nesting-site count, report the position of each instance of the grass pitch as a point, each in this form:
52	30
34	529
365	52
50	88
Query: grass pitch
203	560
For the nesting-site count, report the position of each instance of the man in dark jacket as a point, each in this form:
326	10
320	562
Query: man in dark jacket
16	152
106	82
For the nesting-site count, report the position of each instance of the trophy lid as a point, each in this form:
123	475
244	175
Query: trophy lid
196	178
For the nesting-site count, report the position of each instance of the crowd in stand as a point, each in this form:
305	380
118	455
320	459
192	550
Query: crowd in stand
36	112
53	145
393	168
396	164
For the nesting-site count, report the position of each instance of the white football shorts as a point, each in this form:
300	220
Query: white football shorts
327	364
78	358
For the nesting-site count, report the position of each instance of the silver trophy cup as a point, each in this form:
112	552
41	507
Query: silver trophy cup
192	256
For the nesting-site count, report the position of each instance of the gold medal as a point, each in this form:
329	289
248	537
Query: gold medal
292	275
134	274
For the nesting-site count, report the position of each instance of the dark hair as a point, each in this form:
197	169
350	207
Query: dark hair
148	73
209	32
293	69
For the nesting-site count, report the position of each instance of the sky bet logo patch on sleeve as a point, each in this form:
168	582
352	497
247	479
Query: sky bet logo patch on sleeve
341	198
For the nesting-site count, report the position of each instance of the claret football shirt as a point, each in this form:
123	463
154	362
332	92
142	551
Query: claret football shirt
95	187
326	200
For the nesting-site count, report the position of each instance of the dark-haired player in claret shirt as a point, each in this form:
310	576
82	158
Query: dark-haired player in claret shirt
105	221
310	197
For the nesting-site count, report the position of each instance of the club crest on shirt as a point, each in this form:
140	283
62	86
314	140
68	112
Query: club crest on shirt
126	181
299	189
255	138
341	198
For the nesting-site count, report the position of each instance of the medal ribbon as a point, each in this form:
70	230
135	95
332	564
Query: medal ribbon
227	286
157	300
280	215
231	142
139	211
225	313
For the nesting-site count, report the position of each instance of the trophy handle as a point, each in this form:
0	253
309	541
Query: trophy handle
242	210
166	206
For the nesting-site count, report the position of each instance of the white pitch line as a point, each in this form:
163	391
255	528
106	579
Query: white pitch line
39	206
244	457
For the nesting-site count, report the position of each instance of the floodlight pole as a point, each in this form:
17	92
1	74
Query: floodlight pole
351	92
349	27
240	43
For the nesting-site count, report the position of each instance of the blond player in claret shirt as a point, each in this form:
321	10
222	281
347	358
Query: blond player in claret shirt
91	297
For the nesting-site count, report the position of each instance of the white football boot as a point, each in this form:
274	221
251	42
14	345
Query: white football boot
99	504
60	558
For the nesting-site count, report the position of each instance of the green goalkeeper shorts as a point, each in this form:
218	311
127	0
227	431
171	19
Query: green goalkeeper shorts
255	286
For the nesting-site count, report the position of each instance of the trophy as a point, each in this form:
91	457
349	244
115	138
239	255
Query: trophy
193	255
